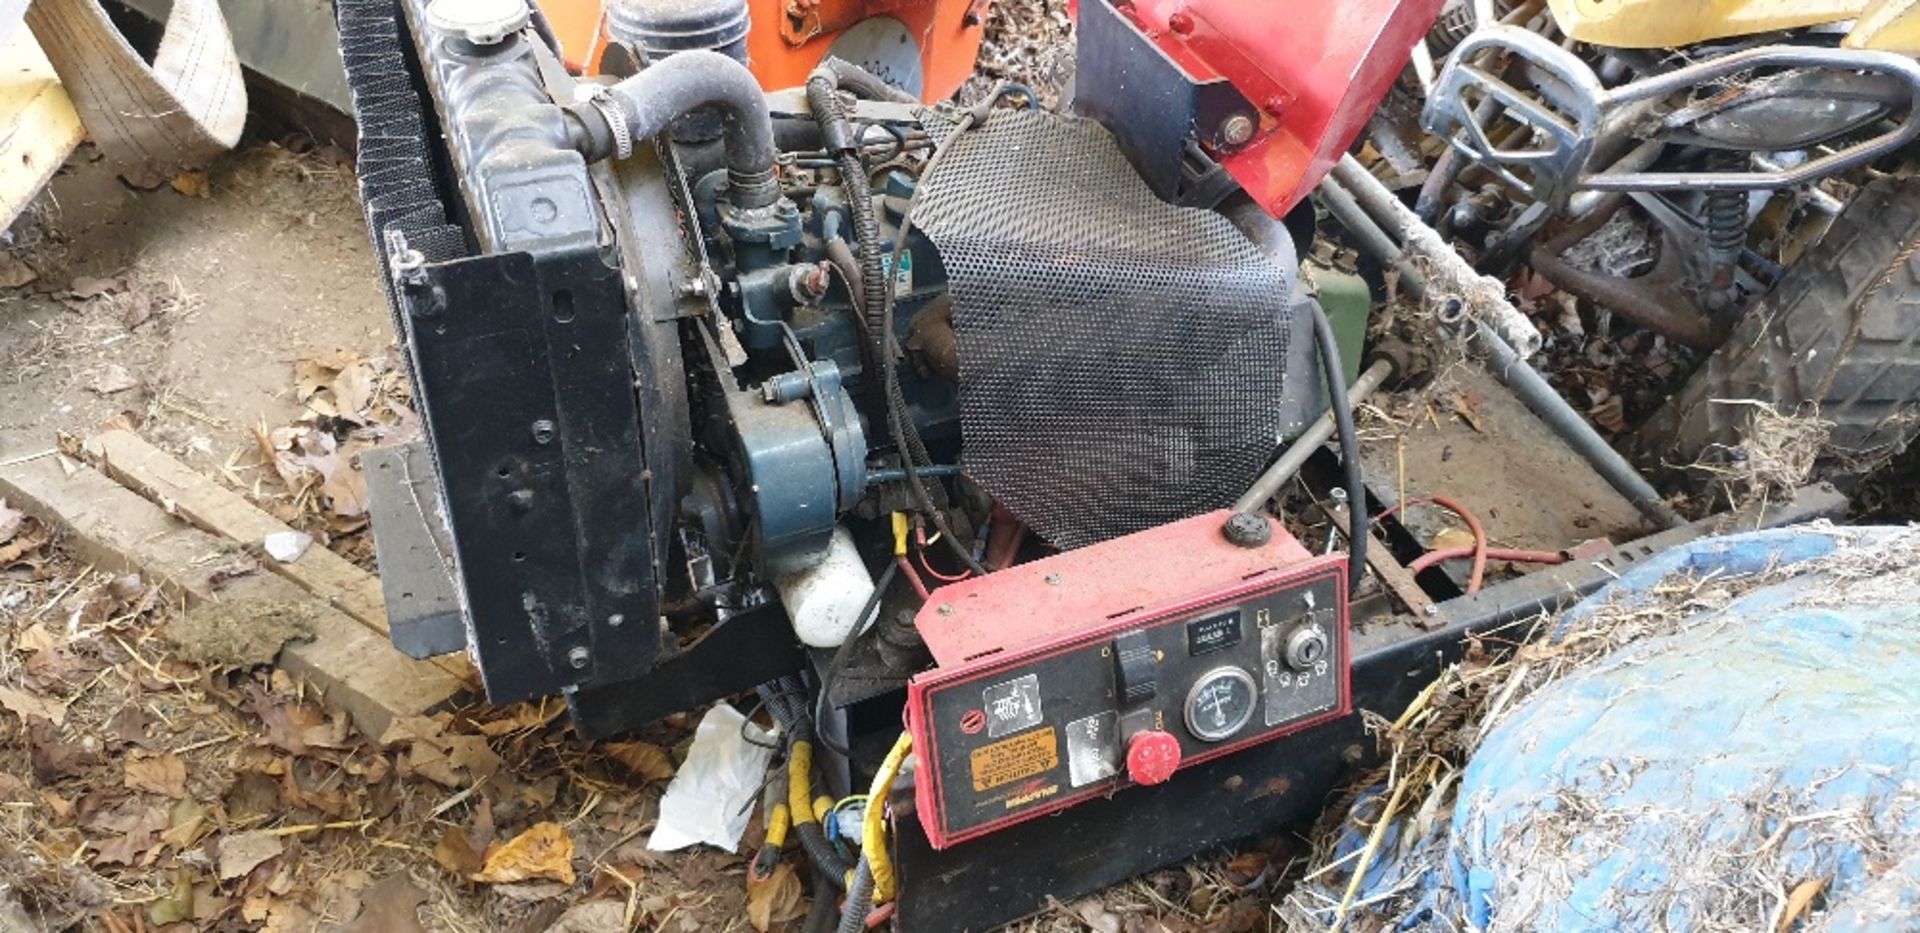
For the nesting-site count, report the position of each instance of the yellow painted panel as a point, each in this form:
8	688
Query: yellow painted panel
38	127
1658	24
1889	25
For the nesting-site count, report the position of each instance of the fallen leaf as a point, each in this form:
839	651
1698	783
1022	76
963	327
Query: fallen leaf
645	759
177	904
1096	916
163	774
778	899
544	851
133	828
528	892
346	491
244	852
26	705
391	906
520	717
185	820
1467	409
84	287
14	272
593	917
1451	538
455	852
27	541
1800	902
10	521
354	390
191	183
1610	414
137	310
113	378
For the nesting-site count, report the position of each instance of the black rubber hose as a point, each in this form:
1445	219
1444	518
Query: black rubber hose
1349	449
841	655
860	82
795	721
671	88
906	437
823	915
853	917
837	134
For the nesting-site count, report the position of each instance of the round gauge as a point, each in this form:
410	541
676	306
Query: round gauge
1220	703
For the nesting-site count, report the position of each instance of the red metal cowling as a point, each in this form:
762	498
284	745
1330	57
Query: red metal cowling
1316	69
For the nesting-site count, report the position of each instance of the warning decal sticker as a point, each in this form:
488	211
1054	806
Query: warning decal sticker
1010	760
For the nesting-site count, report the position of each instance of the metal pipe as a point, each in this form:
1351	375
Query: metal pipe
1340	203
1632	299
1534	391
1488	300
645	105
1309	441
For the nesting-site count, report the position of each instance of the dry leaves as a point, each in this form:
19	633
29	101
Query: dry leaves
778	899
27	706
113	378
544	852
646	760
164	774
240	854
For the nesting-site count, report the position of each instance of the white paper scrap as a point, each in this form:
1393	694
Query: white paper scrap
711	797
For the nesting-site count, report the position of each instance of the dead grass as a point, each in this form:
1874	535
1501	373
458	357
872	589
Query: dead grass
1732	884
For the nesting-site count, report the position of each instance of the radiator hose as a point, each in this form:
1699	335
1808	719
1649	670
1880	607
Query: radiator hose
644	105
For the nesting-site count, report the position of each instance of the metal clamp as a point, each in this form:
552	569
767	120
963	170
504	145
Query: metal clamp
603	100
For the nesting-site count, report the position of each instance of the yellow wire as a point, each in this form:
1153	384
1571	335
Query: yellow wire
800	783
777	824
899	534
873	829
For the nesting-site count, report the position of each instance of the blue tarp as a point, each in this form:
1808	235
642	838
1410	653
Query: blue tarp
1695	779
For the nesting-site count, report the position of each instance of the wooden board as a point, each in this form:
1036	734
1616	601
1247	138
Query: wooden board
114	528
38	126
198	498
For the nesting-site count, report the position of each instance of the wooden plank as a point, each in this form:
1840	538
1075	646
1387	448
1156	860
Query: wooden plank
38	126
115	528
186	492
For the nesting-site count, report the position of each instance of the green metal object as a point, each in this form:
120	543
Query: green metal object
1347	302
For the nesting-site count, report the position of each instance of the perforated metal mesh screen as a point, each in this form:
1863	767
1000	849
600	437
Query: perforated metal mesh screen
1121	359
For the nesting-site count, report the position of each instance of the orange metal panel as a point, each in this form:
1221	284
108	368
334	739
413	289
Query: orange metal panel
789	37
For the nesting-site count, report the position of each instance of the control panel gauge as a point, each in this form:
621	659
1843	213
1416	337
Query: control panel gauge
1220	703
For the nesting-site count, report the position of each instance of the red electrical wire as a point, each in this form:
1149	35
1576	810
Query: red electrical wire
1479	552
879	916
920	544
913	577
1493	553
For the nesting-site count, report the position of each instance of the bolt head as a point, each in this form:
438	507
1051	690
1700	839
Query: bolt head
1053	579
616	620
1247	530
945	609
578	657
543	431
1237	130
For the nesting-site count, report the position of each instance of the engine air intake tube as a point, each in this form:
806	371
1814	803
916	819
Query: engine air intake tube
643	106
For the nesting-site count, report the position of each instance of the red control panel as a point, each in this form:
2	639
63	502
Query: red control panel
1118	664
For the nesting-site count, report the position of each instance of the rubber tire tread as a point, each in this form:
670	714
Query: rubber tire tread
1840	331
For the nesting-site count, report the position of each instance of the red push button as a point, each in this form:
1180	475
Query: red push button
1152	757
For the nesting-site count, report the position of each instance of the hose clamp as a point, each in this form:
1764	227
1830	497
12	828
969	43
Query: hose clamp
603	101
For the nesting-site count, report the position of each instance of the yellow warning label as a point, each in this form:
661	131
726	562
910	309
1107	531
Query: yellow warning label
1009	760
